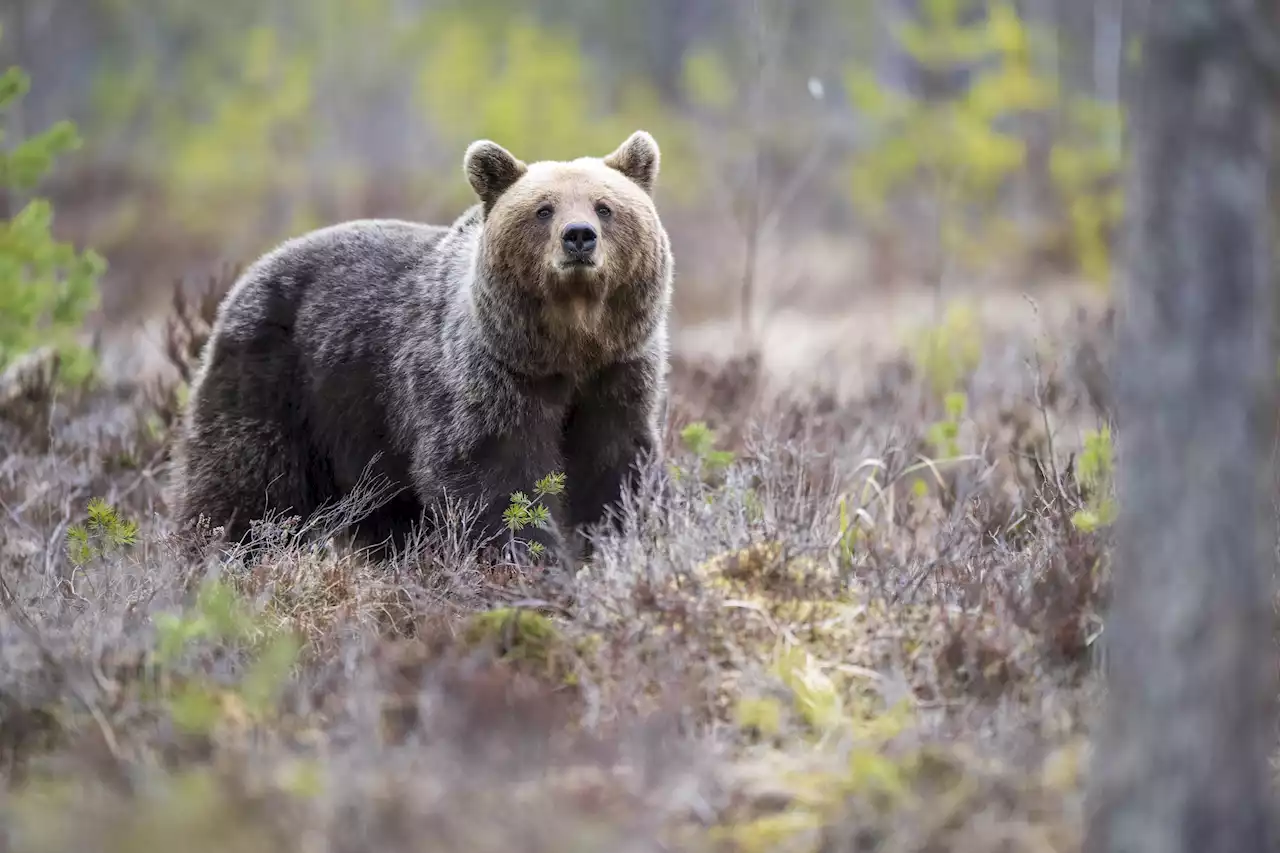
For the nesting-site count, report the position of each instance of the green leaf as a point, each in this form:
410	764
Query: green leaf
264	680
14	84
174	633
698	438
552	484
225	611
515	516
46	287
707	80
195	709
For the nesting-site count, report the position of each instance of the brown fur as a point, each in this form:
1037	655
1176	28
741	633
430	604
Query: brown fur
469	357
584	318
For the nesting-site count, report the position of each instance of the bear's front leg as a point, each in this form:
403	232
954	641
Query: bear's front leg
504	444
612	426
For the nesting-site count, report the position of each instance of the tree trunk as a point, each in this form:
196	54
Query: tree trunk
1182	755
1075	42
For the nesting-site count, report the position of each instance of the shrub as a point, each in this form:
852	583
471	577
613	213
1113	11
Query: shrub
1094	475
524	511
46	286
103	532
959	152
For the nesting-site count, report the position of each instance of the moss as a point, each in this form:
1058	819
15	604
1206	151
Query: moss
788	830
193	810
526	639
762	714
764	568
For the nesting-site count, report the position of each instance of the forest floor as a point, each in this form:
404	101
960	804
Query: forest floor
854	622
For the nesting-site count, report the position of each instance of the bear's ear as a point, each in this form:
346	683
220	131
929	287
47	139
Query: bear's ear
491	170
637	158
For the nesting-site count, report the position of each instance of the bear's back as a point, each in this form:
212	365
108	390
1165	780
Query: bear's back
345	282
322	316
344	261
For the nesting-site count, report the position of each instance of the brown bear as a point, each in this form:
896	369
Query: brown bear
467	361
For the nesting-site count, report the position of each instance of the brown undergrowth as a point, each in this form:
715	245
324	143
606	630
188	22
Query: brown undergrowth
818	630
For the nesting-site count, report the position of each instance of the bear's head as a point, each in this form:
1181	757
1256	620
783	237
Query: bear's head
578	241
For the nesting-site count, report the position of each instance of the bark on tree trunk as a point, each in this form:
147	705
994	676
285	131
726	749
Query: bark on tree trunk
1181	760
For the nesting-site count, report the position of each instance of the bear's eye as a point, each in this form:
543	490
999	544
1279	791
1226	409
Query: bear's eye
544	212
603	211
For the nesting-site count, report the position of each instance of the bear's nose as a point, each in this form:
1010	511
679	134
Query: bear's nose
579	240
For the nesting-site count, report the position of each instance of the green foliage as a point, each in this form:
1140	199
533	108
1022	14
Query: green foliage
260	125
1085	164
709	463
961	150
530	88
218	616
947	353
1095	471
255	121
103	532
951	148
46	286
189	807
708	81
530	641
819	795
526	87
814	695
242	128
944	434
700	440
854	520
851	529
221	616
728	84
522	635
524	511
759	714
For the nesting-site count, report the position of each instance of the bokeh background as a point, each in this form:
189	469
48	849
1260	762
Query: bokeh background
818	155
864	615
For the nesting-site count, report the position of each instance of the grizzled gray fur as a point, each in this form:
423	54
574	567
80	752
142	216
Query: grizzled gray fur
529	336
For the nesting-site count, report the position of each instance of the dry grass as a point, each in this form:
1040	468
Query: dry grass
724	676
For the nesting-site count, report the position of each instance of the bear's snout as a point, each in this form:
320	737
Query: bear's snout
579	241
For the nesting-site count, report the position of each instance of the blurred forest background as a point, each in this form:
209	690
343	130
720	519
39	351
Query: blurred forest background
812	149
930	553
